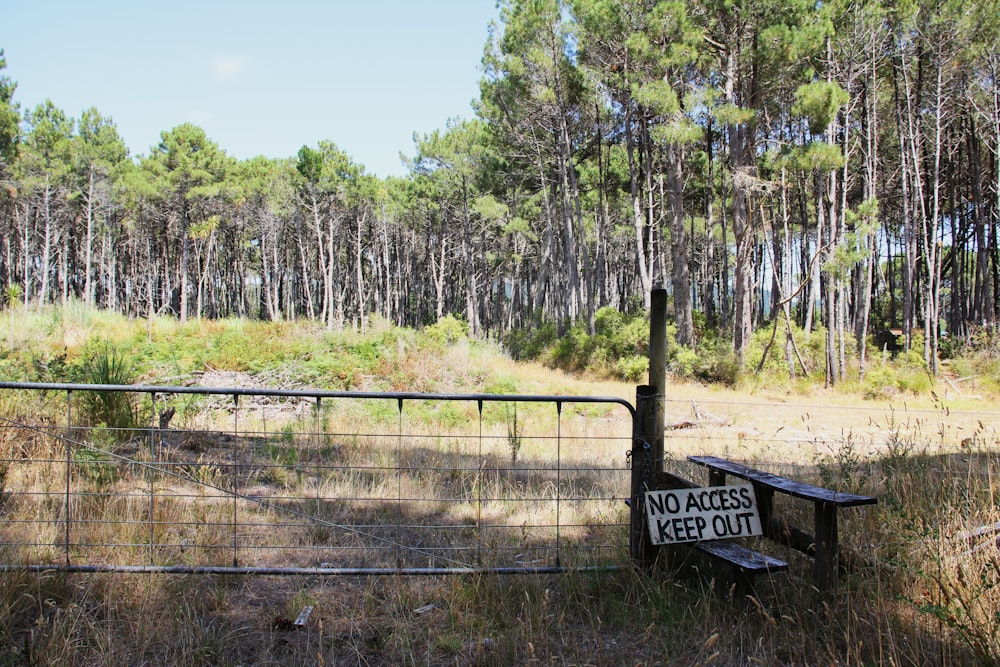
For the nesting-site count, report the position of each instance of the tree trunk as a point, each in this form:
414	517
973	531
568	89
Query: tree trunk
680	275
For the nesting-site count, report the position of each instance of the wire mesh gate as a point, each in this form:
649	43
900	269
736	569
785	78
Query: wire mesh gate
310	482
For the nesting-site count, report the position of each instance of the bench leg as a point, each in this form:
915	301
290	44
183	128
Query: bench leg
742	585
826	545
765	504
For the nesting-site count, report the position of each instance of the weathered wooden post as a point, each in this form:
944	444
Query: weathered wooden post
826	546
647	436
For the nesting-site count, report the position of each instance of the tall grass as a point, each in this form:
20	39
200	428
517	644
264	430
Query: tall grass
923	589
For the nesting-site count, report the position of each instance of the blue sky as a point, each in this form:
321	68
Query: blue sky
261	78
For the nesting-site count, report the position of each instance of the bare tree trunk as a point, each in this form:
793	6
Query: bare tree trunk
680	275
639	221
359	276
43	292
88	285
185	260
468	265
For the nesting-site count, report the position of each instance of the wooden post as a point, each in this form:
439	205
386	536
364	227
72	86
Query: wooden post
658	377
826	545
647	436
641	549
658	359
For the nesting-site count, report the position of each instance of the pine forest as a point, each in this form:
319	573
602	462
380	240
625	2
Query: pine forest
798	166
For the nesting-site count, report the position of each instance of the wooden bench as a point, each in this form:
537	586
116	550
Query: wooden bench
743	563
823	543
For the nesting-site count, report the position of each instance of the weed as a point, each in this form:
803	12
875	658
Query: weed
514	436
844	468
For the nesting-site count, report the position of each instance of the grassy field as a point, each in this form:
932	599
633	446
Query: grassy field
924	589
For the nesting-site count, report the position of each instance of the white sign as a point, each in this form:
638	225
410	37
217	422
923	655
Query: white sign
704	513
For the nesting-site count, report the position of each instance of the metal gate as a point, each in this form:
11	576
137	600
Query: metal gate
231	480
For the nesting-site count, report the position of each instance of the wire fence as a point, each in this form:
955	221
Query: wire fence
194	479
191	479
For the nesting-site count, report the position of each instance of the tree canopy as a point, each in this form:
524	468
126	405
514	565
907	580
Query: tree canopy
832	166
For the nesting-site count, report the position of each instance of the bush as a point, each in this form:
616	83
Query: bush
880	382
717	362
912	373
632	369
573	350
530	343
447	331
607	321
684	362
105	363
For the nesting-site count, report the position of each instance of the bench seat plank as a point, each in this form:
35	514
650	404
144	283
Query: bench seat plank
788	486
741	557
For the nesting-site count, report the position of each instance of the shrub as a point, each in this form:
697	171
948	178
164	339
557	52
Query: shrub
447	331
684	362
12	295
880	382
912	373
607	321
531	342
573	350
717	362
105	363
632	369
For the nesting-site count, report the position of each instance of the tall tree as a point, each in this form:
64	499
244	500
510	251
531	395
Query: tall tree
188	172
327	180
455	158
10	117
98	153
45	167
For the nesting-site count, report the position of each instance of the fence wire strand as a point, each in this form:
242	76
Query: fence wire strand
299	497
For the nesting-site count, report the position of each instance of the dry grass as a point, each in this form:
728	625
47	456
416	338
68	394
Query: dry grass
924	589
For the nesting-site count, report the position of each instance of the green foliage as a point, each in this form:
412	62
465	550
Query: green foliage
617	347
977	355
658	96
844	469
607	320
880	382
683	362
515	428
95	463
913	375
819	102
818	157
717	362
775	370
103	362
9	117
573	350
632	369
447	331
908	373
531	342
12	295
47	145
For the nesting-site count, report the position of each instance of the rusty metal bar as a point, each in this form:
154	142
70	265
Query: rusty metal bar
314	393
